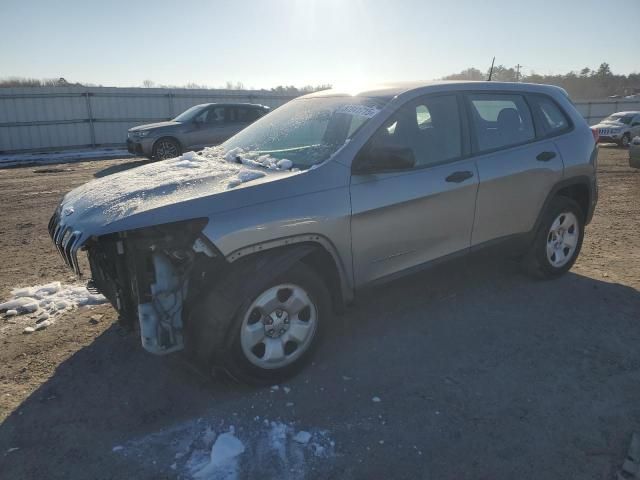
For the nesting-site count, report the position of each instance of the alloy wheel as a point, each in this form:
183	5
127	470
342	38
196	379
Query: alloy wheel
166	149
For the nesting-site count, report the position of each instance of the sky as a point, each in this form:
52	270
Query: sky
264	43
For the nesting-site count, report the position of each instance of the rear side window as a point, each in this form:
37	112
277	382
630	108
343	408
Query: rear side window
500	120
247	114
553	119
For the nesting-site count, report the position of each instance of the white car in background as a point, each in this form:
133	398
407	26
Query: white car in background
619	128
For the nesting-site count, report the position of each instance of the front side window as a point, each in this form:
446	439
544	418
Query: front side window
500	120
191	113
430	127
214	116
307	131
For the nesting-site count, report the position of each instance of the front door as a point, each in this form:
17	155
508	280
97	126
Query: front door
209	128
401	219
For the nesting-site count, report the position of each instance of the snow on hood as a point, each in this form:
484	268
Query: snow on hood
192	175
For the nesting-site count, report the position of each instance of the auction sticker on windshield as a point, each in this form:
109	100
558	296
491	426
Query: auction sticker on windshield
358	110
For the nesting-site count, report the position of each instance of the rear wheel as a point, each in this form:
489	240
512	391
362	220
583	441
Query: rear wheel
166	148
558	240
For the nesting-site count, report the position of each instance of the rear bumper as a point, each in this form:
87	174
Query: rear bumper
609	138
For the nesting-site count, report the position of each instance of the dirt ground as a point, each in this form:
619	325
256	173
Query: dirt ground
482	372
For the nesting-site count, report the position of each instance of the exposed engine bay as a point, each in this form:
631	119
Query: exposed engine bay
152	275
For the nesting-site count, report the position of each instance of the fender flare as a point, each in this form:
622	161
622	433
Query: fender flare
582	180
299	247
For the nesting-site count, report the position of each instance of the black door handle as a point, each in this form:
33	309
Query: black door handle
545	156
457	177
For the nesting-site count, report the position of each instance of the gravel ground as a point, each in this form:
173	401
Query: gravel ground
481	372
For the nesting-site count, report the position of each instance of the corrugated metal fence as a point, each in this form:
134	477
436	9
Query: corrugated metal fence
595	110
54	118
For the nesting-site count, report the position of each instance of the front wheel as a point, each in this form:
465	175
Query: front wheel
625	141
275	327
558	240
166	148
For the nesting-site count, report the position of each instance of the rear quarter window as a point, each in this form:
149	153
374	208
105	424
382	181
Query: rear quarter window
553	119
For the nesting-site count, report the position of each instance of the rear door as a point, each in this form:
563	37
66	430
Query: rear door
517	165
240	117
402	219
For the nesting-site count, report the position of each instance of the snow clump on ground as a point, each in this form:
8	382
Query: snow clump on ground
43	303
201	449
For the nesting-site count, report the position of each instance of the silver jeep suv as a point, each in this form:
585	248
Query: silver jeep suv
619	128
242	253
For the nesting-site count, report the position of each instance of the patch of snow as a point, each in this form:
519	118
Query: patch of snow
42	325
376	399
11	313
223	457
29	330
302	437
117	448
286	389
66	156
46	302
273	449
275	388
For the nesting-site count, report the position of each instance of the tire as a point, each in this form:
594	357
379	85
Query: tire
260	346
558	240
626	141
166	148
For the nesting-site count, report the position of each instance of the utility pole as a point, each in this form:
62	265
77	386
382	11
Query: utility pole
518	72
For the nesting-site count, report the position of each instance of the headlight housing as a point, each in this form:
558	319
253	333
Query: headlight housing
138	134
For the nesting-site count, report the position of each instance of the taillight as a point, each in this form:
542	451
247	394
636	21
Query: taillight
596	135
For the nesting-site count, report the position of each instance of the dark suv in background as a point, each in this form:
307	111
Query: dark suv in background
198	127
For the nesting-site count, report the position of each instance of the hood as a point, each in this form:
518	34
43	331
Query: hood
610	124
151	126
163	192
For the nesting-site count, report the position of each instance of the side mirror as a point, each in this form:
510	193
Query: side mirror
382	159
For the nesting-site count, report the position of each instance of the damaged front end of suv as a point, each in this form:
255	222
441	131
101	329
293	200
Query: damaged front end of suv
150	275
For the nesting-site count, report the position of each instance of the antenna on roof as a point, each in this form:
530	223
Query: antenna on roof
491	70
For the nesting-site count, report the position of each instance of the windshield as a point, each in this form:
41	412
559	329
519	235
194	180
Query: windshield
306	131
626	119
190	114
